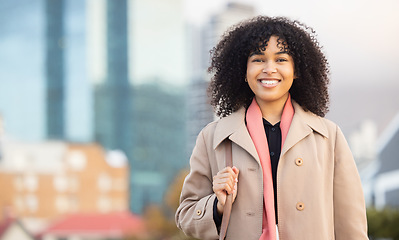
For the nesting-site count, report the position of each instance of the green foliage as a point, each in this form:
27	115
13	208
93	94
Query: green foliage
383	224
160	222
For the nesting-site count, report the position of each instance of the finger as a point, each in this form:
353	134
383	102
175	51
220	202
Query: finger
223	170
223	186
225	181
221	197
219	190
221	193
226	170
232	173
228	188
236	171
235	192
225	176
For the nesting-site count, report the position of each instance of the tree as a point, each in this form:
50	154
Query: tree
160	219
383	223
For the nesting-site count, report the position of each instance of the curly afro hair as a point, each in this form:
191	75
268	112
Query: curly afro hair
228	91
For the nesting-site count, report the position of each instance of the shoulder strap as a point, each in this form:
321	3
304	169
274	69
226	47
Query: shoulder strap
229	199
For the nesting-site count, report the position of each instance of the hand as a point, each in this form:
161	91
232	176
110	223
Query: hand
225	182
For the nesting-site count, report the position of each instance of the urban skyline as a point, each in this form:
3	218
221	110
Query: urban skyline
27	95
107	103
145	99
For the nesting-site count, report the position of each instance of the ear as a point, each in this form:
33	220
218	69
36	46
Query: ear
295	75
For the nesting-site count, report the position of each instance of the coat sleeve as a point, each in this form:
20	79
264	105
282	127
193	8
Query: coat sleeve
349	207
194	215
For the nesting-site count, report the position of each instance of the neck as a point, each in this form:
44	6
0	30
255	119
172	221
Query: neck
272	111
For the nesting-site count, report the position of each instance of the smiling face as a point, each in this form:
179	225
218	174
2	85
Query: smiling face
270	73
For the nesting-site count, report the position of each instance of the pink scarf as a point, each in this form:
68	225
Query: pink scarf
258	135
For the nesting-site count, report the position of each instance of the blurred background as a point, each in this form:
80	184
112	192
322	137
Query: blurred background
101	102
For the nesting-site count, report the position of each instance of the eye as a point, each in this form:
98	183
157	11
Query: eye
257	60
282	60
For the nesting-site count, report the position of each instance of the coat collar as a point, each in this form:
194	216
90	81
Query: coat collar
234	128
303	124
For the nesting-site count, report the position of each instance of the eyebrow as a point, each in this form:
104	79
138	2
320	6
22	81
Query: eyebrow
282	52
261	53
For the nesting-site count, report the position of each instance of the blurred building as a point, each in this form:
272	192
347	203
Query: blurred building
42	181
112	113
2	136
22	67
116	226
381	177
55	64
80	61
363	143
13	229
145	121
199	111
43	70
159	142
203	39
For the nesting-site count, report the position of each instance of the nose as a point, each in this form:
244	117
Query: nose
269	68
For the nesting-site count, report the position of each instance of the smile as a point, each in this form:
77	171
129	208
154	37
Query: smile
269	82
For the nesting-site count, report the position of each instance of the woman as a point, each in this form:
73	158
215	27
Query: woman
294	176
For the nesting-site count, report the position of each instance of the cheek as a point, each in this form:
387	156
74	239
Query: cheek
288	72
251	70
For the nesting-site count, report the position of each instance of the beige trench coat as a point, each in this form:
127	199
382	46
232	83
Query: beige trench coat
319	189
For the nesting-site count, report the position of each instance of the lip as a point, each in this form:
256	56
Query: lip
269	82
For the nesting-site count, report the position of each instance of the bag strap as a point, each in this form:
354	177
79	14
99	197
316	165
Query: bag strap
229	198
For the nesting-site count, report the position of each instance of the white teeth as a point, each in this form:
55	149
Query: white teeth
269	82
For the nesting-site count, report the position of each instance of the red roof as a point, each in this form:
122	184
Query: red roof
10	221
110	224
4	225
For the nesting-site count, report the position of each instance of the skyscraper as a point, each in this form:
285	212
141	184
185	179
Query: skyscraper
54	65
112	96
159	142
145	121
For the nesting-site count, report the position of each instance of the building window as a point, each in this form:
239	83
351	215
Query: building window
60	183
104	204
31	182
31	202
77	160
62	204
104	182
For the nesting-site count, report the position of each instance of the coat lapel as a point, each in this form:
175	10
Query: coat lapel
303	124
234	128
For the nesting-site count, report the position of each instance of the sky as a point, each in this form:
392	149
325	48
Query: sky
157	33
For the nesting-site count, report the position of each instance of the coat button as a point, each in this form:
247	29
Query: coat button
300	206
199	212
299	161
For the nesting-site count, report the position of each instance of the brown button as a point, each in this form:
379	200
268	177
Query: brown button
199	212
299	161
300	206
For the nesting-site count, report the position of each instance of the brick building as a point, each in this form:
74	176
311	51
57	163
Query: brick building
44	181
